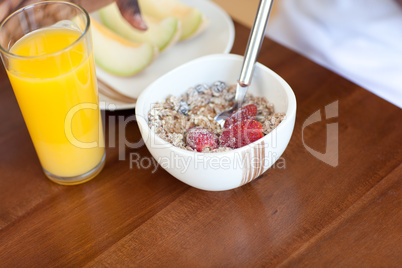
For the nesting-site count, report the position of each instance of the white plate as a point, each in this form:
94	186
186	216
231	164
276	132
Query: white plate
218	37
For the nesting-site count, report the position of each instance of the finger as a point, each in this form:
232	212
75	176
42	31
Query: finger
130	10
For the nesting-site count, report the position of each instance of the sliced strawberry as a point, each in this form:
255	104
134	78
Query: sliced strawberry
241	134
199	138
244	113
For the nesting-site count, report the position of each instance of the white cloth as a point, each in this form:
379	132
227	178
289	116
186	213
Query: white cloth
358	39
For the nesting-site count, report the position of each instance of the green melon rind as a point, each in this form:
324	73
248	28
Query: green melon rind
119	59
163	33
191	24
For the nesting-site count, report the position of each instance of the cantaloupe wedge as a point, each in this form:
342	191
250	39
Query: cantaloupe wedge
161	32
192	20
117	55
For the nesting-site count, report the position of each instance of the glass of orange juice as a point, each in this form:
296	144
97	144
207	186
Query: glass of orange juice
46	49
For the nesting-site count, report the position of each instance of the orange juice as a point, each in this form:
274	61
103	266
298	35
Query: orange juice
55	84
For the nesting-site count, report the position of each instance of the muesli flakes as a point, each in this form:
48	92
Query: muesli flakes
172	117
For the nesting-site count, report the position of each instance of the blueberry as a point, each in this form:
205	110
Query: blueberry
183	107
218	86
200	88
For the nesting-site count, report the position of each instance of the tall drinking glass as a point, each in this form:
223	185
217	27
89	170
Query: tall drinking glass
46	49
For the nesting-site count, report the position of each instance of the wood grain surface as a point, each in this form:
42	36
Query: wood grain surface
306	214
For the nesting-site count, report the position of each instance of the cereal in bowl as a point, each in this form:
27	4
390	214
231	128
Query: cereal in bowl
188	121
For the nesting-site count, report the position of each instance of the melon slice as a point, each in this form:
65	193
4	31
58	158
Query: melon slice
192	20
117	55
161	32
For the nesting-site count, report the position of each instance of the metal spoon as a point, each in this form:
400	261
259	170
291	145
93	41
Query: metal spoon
250	57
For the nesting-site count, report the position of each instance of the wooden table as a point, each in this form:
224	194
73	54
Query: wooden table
307	213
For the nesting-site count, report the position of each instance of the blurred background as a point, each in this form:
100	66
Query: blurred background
243	11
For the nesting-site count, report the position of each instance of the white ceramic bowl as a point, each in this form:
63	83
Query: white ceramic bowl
224	170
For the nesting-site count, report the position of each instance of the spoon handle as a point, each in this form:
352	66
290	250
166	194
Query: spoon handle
254	42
